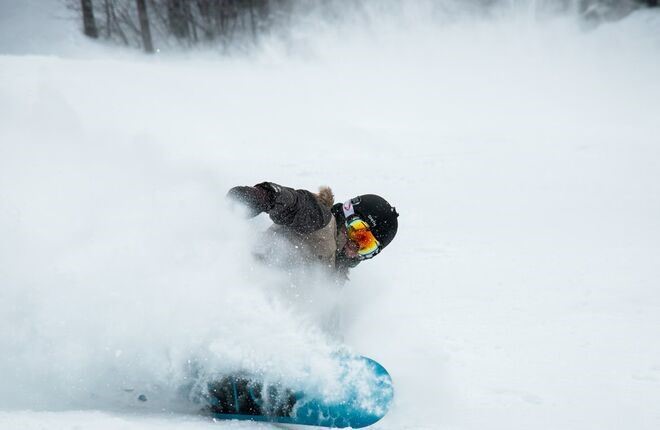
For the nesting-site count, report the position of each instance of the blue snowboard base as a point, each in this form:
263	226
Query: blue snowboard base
367	398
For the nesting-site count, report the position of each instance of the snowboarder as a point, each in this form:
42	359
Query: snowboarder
315	229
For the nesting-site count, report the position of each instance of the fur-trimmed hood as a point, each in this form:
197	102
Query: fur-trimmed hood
326	196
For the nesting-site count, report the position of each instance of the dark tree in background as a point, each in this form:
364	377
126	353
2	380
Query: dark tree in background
170	23
144	26
178	13
88	19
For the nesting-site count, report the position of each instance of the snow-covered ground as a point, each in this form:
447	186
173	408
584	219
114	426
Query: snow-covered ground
522	151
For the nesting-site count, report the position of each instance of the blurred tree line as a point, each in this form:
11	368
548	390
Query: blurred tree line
193	22
187	22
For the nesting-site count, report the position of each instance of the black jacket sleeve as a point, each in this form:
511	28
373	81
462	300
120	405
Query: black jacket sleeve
299	210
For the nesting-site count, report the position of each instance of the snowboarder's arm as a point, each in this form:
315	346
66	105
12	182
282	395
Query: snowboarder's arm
300	210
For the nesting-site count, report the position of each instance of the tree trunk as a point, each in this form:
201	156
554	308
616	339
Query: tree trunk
144	26
191	22
253	20
108	19
177	18
89	22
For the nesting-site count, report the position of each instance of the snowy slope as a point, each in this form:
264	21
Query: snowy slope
522	153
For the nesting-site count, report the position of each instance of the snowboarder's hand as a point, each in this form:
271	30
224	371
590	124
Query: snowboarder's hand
257	199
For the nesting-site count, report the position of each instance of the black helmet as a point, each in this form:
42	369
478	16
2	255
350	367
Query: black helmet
375	211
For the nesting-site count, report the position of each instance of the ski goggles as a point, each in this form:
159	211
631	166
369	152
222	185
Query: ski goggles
360	234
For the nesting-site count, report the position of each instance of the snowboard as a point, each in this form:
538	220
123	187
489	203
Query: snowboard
366	396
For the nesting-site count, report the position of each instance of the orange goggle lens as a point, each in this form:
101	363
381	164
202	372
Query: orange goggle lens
359	233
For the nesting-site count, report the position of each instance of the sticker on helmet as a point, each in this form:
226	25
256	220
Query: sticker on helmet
348	209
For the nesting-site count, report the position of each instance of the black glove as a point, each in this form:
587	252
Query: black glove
257	199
